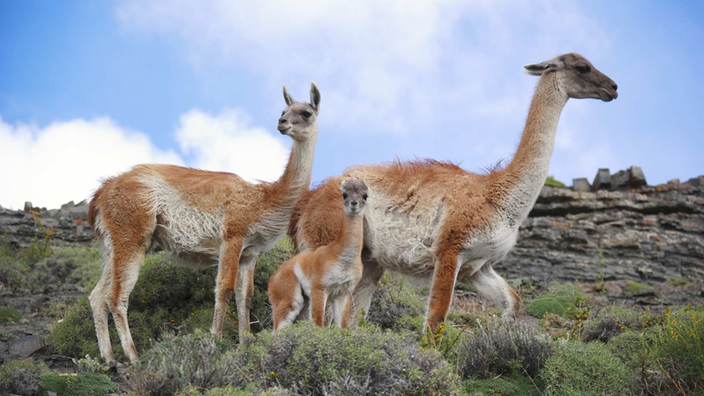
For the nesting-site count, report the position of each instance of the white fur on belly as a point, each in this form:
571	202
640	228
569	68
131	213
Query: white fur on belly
402	240
186	227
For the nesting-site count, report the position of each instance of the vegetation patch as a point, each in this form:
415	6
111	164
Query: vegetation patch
393	305
81	384
635	287
501	386
503	350
550	304
586	369
9	315
167	300
551	182
19	378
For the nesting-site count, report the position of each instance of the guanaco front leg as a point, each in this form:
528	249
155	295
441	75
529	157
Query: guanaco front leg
343	307
442	289
227	278
244	292
318	298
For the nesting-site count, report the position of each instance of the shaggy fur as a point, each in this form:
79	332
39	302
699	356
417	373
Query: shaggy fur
433	219
201	218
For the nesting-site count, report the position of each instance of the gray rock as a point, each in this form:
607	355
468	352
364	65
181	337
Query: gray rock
28	207
696	181
602	179
24	347
637	177
674	182
581	185
620	180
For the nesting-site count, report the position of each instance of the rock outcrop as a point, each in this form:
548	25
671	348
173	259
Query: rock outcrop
644	232
65	226
653	234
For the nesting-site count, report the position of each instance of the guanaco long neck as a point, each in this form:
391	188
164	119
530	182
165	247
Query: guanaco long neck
525	175
348	245
283	194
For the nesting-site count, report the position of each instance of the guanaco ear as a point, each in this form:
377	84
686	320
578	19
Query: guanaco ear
314	96
537	69
342	186
288	98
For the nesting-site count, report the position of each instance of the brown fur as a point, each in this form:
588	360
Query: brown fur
201	217
317	267
474	203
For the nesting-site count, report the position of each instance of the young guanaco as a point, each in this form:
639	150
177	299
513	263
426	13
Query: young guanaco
328	274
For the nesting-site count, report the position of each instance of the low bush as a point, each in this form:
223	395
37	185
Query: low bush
503	349
520	386
82	384
167	300
634	287
631	348
302	358
20	378
579	368
678	349
551	182
393	302
550	304
311	360
177	362
9	314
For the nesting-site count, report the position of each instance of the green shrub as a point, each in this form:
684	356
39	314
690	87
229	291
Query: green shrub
677	282
503	349
311	360
631	348
9	314
678	348
634	287
579	368
167	299
501	386
76	265
550	304
393	300
177	362
82	384
20	378
551	182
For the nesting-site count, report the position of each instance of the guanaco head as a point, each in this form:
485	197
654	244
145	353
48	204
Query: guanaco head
300	119
576	77
354	194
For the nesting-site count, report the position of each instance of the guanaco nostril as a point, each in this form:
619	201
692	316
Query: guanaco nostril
614	86
354	203
282	120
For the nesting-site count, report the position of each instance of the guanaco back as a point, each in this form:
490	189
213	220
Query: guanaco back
330	273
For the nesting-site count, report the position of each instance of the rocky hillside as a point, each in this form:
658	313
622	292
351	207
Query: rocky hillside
651	233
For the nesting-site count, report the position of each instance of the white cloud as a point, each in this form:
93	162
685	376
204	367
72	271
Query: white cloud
382	66
64	161
227	142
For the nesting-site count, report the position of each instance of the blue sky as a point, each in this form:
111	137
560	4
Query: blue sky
91	88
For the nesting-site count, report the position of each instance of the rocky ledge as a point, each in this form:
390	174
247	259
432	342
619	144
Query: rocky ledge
652	234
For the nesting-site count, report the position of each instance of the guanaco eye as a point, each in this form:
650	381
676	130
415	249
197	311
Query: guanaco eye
282	113
364	197
583	69
306	114
344	195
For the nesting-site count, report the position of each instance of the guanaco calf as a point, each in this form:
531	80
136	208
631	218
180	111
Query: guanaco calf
330	272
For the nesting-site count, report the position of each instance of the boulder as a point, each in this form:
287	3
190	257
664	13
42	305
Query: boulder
696	181
620	180
581	185
602	179
637	177
28	207
23	347
674	182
